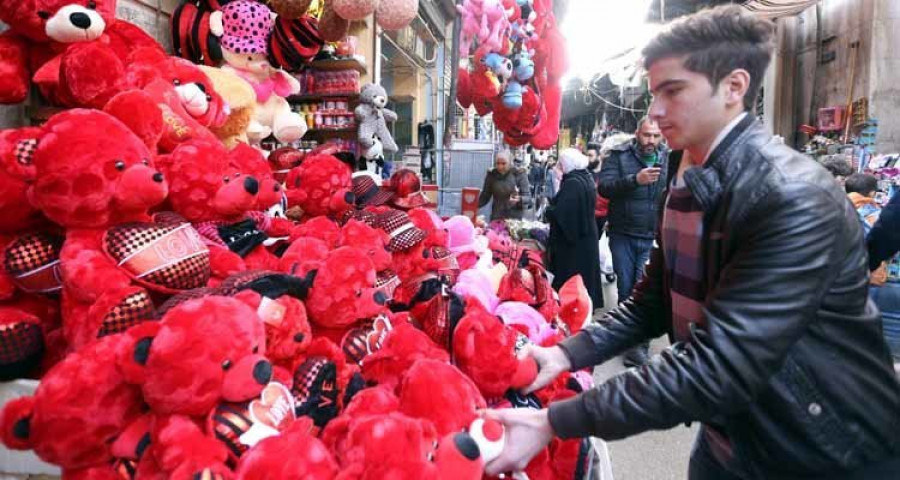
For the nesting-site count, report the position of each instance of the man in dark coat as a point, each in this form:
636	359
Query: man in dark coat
573	245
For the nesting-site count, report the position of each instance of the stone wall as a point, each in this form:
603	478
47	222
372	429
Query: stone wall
799	83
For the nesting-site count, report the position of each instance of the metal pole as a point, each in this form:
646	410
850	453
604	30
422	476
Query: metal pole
662	10
450	108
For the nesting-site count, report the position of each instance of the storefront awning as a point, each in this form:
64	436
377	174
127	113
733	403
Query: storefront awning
778	8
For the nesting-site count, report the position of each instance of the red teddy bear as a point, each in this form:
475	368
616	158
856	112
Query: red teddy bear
320	186
97	179
169	101
76	51
79	409
219	198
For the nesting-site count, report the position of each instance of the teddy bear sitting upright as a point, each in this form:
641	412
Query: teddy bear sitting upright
94	177
76	51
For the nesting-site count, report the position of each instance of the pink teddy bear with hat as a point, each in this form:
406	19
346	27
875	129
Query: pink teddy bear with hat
243	28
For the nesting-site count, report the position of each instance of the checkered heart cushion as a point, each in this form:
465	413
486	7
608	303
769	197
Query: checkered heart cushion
33	262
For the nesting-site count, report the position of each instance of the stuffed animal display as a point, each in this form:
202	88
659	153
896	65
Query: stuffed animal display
517	61
194	309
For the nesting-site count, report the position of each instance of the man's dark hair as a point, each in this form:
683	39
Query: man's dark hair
716	42
861	183
594	147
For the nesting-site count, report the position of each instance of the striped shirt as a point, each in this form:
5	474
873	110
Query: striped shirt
682	229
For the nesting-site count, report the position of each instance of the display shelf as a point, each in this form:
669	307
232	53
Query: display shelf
312	97
339	64
323	131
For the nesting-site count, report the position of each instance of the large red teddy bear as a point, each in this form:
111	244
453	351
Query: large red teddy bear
79	410
320	186
97	179
76	51
213	192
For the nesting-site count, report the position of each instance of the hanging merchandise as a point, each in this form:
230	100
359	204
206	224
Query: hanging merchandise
81	65
396	14
372	118
290	8
517	62
354	9
333	26
243	28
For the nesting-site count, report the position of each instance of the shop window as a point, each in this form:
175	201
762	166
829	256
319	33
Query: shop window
402	128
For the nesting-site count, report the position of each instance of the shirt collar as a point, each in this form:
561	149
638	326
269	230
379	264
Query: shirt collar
724	133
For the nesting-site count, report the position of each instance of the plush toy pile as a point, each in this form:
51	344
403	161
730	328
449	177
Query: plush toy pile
512	60
182	326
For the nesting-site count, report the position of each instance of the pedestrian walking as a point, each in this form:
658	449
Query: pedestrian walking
573	232
760	280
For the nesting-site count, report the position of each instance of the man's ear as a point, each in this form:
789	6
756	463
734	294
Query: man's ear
736	85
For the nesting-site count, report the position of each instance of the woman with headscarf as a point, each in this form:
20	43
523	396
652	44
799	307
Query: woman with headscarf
573	247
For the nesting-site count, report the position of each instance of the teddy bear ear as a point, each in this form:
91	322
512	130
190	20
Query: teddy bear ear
135	351
15	423
216	26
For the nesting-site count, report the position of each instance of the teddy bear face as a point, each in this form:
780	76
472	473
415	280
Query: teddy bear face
64	21
374	94
206	350
196	92
256	63
92	171
205	186
320	186
344	290
251	162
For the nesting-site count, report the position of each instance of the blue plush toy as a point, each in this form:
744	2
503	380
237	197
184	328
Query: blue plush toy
499	65
523	66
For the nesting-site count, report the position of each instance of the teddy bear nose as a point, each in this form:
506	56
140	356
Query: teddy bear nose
80	20
251	185
380	298
262	372
467	446
349	197
158	177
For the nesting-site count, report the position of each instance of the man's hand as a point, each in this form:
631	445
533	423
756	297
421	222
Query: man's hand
528	431
552	362
648	176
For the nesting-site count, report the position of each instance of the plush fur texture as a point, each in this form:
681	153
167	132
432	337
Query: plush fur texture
371	241
201	352
73	65
303	256
320	186
293	454
16	174
320	228
484	349
343	291
372	118
287	329
428	220
403	346
88	192
439	392
241	101
80	407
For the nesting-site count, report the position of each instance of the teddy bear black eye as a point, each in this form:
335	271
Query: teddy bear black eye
249	59
359	293
209	98
237	175
44	15
176	82
256	349
146	162
92	4
120	165
226	364
226	179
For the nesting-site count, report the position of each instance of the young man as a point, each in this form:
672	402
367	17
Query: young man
760	281
633	178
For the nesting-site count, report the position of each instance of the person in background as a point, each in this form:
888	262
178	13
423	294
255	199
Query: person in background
536	178
759	279
839	168
552	177
883	244
633	178
601	208
507	187
573	232
861	189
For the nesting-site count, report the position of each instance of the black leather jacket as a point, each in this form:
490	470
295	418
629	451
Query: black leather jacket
632	207
791	365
